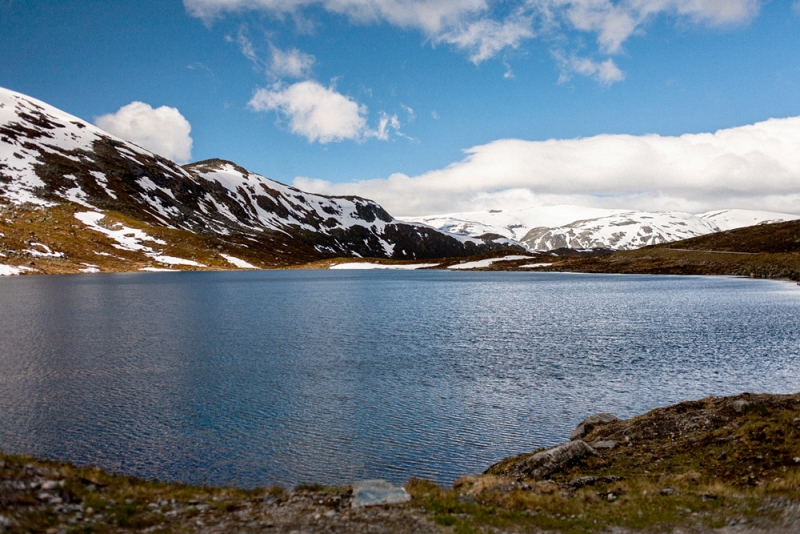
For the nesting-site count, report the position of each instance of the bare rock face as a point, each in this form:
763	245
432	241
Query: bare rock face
588	424
548	462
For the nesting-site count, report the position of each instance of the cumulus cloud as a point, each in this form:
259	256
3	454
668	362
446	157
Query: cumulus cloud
314	111
290	63
755	166
162	130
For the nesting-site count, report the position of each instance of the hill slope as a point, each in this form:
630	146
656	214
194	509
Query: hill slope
49	158
762	251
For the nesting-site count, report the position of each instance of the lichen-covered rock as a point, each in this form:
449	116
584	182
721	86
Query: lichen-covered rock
588	424
543	464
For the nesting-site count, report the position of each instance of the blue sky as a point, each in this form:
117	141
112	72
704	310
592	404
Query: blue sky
296	90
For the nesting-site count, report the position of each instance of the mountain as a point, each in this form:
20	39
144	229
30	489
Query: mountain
49	158
555	227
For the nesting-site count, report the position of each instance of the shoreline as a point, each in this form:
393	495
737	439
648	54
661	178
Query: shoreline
726	464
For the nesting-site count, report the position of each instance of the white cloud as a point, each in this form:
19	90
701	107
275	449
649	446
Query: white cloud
247	48
615	22
385	124
605	72
409	111
290	63
485	38
755	166
162	130
479	28
317	112
430	16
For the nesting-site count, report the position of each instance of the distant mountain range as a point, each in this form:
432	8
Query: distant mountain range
555	227
75	197
48	157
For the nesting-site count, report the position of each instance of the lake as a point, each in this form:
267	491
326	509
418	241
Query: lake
286	377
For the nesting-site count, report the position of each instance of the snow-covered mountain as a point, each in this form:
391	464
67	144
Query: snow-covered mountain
553	227
48	156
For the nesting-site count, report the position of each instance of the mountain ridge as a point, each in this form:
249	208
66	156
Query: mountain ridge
554	227
49	157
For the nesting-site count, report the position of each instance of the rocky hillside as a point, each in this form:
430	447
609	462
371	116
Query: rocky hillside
49	158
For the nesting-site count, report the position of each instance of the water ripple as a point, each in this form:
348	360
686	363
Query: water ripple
288	377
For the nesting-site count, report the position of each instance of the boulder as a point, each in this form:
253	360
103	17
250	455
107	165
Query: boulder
548	462
739	405
588	424
376	492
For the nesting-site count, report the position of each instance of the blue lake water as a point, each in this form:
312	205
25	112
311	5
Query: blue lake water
261	378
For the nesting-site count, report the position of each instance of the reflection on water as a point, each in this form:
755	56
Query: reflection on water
285	377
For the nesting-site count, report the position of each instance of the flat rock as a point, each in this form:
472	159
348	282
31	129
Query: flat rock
588	424
604	444
543	464
376	492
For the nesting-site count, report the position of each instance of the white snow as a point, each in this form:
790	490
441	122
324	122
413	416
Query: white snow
126	238
485	263
102	180
9	270
90	268
172	260
512	224
576	227
48	252
236	262
364	266
157	270
731	219
535	265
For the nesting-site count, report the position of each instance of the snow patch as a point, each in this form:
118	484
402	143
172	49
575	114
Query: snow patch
48	252
365	266
486	263
172	260
9	270
241	264
157	270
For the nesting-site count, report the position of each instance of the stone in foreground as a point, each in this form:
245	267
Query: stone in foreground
376	492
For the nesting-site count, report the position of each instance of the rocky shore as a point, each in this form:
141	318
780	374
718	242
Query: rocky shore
726	465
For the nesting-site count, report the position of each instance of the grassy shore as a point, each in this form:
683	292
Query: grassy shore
713	465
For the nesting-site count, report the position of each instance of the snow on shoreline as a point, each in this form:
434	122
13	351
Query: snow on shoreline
487	262
364	266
